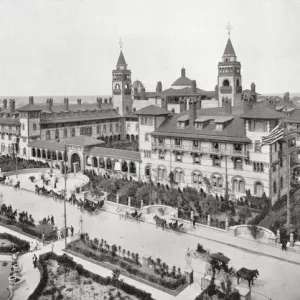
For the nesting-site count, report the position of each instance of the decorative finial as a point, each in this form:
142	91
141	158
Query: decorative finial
121	43
229	28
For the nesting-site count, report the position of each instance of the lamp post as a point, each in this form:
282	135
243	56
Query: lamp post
16	148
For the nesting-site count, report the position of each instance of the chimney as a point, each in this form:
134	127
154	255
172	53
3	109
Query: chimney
226	103
182	104
143	96
194	87
192	111
286	96
217	92
99	102
12	105
110	100
199	104
247	103
66	103
78	101
183	72
31	100
50	104
271	103
159	87
253	88
4	102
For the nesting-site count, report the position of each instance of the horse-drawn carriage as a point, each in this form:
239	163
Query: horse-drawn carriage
176	227
131	216
93	207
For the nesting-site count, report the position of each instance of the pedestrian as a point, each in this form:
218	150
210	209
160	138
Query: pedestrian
52	245
285	245
194	223
58	234
13	250
52	220
72	230
34	260
48	220
43	240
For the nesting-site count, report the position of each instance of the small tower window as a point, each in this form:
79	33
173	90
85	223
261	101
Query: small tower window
225	82
117	87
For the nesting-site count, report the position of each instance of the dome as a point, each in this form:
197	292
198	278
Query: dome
137	85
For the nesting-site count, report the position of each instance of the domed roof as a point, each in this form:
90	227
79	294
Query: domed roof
137	84
182	80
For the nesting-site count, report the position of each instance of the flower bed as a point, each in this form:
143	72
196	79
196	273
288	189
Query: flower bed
159	275
47	285
20	245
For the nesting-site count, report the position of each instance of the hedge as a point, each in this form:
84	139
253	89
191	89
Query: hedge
65	259
20	245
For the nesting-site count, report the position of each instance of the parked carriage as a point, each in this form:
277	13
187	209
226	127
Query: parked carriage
93	207
177	227
135	216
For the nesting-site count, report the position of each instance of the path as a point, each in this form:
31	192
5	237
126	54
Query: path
144	239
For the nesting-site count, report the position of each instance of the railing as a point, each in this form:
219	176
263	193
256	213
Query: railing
226	89
117	92
201	149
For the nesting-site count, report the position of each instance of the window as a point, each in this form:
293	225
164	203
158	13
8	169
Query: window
177	142
147	153
161	141
226	82
161	172
86	130
104	128
258	125
48	137
258	167
111	127
73	132
146	137
117	87
219	127
238	165
34	127
257	146
274	187
217	180
197	177
98	129
179	176
178	156
274	168
56	134
199	125
147	170
196	143
24	151
128	126
162	154
238	184
196	158
216	162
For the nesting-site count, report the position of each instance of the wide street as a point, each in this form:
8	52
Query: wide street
144	238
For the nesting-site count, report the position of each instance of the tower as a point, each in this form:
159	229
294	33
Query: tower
121	86
229	75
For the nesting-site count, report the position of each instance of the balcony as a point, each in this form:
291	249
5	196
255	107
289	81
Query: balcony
127	92
238	89
226	89
117	92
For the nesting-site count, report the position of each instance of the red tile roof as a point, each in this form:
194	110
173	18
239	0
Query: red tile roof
121	60
115	153
229	49
262	112
183	92
182	81
30	107
10	121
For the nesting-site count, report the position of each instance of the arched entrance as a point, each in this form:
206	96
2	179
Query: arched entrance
75	159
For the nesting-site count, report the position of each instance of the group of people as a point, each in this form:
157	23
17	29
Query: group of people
49	220
60	231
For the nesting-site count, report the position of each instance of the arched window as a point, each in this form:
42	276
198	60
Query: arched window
65	133
274	187
226	82
238	165
258	189
34	127
226	59
127	86
197	177
179	175
216	180
161	172
24	151
238	184
117	87
48	137
56	134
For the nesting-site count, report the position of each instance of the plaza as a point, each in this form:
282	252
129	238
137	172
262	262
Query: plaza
146	239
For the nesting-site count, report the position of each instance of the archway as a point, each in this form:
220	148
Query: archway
132	168
54	155
75	159
59	156
95	162
44	155
225	82
33	154
124	166
101	163
38	154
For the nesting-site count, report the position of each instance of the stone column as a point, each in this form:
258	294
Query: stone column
129	201
291	240
117	199
278	236
208	220
226	225
142	204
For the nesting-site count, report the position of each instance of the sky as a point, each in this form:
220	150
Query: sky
70	47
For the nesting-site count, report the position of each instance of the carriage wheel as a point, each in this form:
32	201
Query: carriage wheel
208	270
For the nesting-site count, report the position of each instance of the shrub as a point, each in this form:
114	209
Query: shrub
20	245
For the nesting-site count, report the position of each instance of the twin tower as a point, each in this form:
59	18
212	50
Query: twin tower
229	85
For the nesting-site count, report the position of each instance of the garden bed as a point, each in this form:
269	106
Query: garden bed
10	241
62	278
158	276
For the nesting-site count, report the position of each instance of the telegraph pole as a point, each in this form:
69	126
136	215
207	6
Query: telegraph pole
288	204
65	194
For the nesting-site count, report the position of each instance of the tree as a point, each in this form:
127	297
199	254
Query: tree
245	213
210	205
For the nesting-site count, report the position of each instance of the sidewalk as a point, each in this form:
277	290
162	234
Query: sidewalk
221	236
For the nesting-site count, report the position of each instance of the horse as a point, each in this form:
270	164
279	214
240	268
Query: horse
160	222
247	274
17	186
